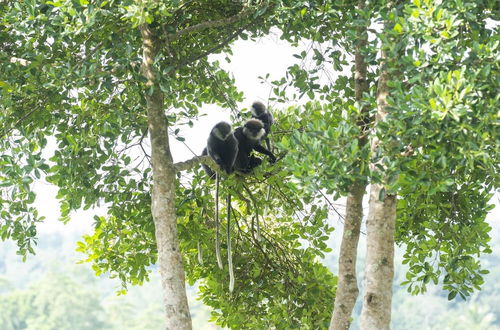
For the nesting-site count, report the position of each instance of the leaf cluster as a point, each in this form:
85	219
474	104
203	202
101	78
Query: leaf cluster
440	139
279	279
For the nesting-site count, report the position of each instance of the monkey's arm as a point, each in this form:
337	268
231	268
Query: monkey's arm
266	152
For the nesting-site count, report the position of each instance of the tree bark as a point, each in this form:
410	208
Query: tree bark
380	228
379	263
163	196
347	287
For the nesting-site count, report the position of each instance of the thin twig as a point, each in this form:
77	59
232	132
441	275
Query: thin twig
331	205
148	157
18	122
183	142
224	43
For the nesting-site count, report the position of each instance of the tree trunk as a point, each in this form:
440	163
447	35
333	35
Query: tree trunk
347	288
379	264
163	197
380	228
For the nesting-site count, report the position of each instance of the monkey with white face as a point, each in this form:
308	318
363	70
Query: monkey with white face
222	146
259	111
249	136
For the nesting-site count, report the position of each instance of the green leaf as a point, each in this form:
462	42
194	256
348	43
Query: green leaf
381	195
398	28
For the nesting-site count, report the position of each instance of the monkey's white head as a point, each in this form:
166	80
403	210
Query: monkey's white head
222	130
254	129
257	109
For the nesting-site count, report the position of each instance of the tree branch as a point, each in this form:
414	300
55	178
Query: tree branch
7	131
224	43
190	163
210	24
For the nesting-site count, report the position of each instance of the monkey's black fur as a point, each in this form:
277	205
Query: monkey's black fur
249	136
259	111
222	146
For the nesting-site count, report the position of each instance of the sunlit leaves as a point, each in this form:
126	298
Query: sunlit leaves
278	267
440	138
86	90
323	146
19	167
398	28
442	129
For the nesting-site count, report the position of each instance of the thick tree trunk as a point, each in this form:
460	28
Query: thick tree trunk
347	288
380	228
163	197
379	263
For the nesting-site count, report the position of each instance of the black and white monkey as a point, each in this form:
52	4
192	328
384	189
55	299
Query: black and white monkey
249	136
222	146
259	111
232	156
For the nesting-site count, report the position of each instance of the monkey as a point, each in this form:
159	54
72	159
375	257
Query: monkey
249	136
222	146
259	111
230	156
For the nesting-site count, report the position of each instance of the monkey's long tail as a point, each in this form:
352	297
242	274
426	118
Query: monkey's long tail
217	222
200	250
257	225
229	251
266	208
200	254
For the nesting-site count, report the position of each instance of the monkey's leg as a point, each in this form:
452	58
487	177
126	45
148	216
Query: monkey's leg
254	162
